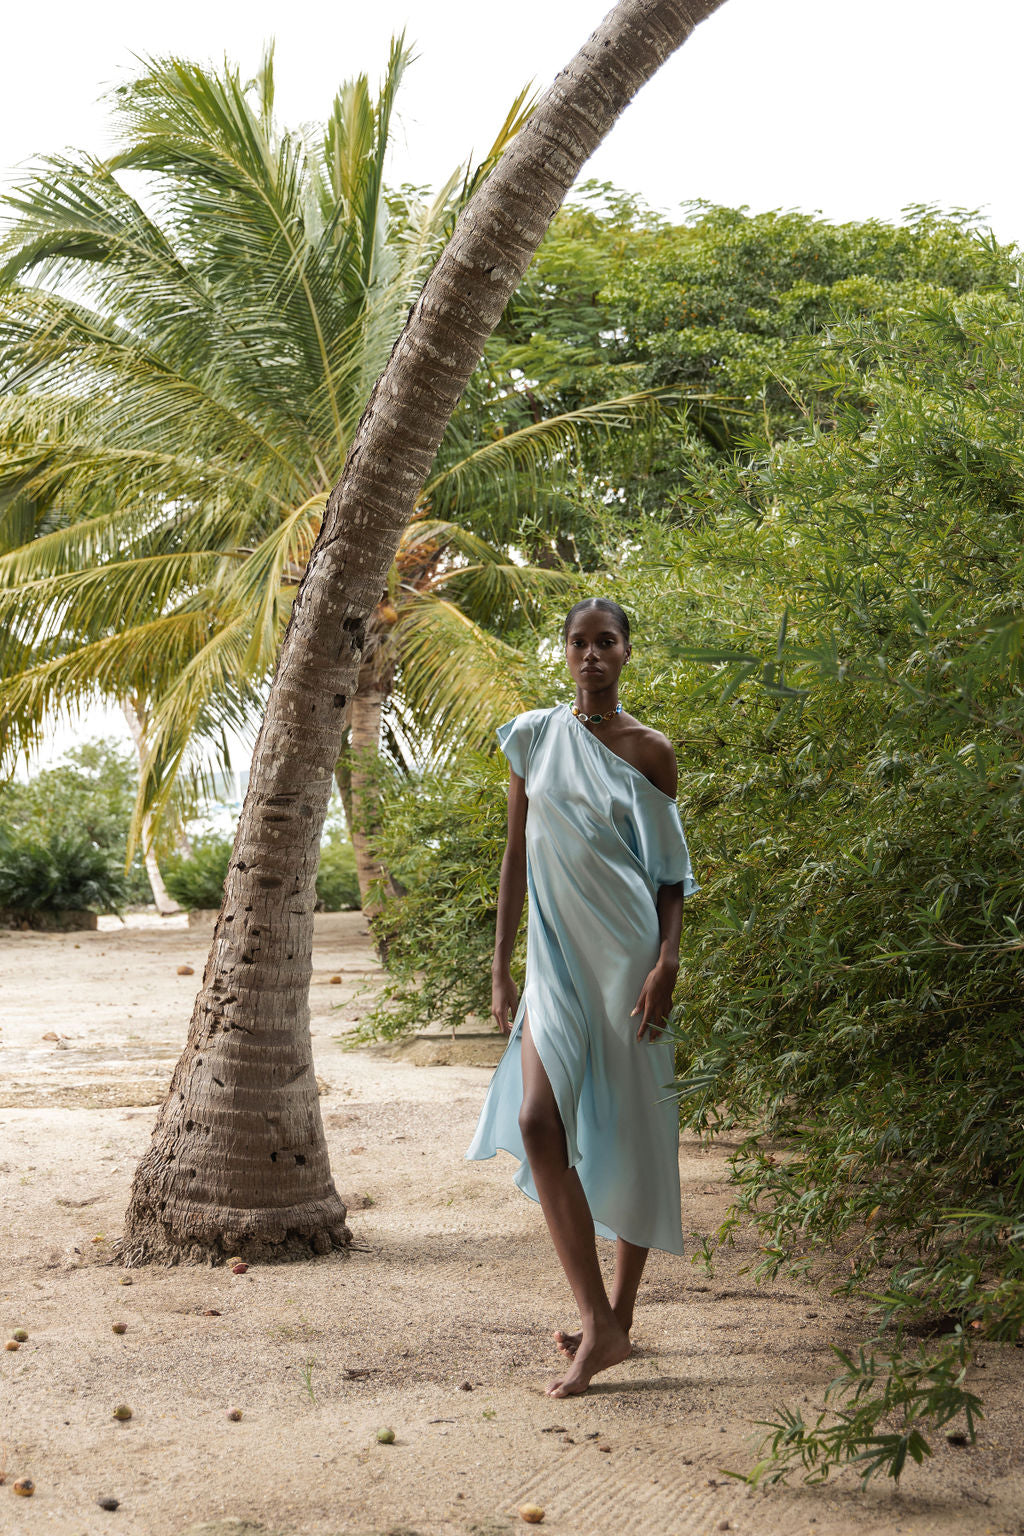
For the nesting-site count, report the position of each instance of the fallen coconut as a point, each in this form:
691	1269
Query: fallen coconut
531	1513
126	1280
122	1411
185	970
239	1269
108	1502
12	1344
234	1414
386	1436
20	1335
25	1486
119	1327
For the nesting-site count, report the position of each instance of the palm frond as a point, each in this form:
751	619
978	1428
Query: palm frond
518	114
458	681
265	583
214	692
92	602
62	684
496	464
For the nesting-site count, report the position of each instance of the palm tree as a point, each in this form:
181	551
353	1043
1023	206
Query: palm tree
189	361
187	364
238	1153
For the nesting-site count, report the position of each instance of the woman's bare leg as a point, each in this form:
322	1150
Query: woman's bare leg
629	1268
603	1340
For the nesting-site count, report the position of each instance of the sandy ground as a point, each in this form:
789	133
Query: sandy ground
437	1324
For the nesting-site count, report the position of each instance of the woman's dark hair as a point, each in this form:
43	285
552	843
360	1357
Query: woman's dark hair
604	605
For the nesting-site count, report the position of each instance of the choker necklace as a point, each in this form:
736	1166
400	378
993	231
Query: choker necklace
581	714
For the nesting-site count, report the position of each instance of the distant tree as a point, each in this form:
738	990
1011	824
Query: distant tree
728	308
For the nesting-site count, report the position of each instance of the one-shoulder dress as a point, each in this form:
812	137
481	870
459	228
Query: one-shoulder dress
600	840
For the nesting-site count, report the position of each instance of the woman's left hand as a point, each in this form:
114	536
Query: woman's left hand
655	1001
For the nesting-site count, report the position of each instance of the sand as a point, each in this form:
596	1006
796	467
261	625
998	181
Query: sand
437	1324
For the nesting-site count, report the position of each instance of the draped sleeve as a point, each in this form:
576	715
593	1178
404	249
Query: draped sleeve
663	844
516	738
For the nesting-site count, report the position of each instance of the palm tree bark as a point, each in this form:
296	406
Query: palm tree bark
238	1160
165	902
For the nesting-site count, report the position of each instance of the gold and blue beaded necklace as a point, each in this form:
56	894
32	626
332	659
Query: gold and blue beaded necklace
581	714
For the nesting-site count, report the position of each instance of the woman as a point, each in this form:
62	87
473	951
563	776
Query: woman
580	1094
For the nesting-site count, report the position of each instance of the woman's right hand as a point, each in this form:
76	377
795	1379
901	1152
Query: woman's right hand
504	1001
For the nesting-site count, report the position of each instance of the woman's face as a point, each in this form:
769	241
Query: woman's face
596	650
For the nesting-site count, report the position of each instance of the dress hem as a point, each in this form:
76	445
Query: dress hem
601	1228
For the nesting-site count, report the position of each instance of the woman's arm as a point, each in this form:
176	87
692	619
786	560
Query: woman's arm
511	896
655	1000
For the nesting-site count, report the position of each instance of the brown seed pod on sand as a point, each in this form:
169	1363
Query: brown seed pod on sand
531	1513
239	1269
25	1486
12	1344
19	1335
234	1414
122	1412
119	1327
108	1502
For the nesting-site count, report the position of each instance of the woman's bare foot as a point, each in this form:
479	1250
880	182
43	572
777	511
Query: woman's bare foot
569	1343
607	1348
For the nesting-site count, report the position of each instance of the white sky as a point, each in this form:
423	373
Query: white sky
855	111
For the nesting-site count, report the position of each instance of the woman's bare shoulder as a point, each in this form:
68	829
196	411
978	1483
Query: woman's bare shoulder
654	755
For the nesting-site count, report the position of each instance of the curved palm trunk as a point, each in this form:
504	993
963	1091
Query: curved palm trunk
238	1159
165	902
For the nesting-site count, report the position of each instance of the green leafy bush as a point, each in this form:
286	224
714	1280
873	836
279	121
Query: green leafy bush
90	795
337	884
56	871
196	880
856	778
441	842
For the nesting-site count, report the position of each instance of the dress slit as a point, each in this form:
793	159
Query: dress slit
564	1089
526	1032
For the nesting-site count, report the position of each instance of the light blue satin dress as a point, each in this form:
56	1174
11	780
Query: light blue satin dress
600	840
